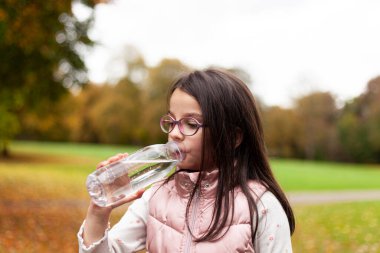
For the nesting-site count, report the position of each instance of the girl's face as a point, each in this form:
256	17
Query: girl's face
183	105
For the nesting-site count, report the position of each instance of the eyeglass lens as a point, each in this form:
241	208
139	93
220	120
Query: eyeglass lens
187	126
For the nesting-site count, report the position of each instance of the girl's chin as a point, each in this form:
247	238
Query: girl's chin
184	166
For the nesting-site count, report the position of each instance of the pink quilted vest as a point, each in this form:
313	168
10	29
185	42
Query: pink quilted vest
167	230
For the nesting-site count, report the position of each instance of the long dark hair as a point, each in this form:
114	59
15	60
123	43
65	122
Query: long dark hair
235	134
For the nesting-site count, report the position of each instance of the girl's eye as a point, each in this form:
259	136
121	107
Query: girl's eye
190	123
168	124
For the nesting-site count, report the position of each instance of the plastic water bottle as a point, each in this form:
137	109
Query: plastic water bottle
117	180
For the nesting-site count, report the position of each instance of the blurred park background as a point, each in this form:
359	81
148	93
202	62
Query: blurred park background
56	124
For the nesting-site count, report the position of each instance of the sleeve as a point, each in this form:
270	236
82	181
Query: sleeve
273	232
128	235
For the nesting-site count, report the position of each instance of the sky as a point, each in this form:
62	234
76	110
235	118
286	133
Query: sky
288	47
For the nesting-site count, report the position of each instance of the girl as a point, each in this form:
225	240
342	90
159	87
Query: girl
223	196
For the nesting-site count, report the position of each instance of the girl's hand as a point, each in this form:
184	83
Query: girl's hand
123	200
104	211
97	217
112	159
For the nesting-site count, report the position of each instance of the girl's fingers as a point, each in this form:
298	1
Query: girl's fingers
129	198
115	158
124	155
112	159
101	164
105	211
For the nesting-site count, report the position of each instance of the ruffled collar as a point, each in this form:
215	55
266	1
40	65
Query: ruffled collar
185	183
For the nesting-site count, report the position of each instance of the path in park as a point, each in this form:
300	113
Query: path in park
311	198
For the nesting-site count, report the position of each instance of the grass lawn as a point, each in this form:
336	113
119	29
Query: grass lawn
43	199
348	228
297	175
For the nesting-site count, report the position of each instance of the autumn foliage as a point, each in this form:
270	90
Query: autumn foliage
128	113
45	94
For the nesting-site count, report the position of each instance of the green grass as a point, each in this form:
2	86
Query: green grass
297	175
43	199
70	149
293	175
348	228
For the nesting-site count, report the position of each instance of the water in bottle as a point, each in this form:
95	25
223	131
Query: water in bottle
117	180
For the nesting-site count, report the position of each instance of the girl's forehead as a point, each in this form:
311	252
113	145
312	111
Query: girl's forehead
181	99
175	115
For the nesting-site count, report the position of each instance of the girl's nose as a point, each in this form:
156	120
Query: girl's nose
176	134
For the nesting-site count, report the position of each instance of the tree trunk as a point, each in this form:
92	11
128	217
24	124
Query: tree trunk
4	150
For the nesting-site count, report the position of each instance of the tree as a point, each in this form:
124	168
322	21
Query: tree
81	120
50	123
359	125
115	115
156	87
8	127
40	48
372	94
352	133
317	116
281	130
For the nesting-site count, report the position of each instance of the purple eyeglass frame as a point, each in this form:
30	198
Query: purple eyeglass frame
179	124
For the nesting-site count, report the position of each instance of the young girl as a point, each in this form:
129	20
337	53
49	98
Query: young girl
223	196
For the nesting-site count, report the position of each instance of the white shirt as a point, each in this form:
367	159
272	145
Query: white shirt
129	234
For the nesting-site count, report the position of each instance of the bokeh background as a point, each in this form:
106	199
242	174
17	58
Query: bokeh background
83	80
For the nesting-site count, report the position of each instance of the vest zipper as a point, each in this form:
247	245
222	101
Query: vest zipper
192	221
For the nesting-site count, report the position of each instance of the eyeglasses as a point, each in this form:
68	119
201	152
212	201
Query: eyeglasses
187	126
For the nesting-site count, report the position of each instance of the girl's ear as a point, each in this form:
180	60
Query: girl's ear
239	137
